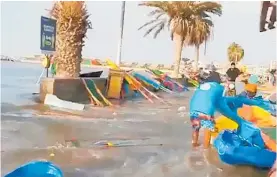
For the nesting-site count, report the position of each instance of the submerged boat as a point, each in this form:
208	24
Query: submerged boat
92	74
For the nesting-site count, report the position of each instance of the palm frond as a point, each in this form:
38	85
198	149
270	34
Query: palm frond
189	19
161	27
154	12
148	23
210	7
153	27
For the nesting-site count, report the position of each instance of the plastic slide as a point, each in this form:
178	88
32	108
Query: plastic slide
36	169
233	150
254	114
246	145
268	133
265	104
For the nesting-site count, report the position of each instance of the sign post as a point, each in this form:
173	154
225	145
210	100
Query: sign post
47	40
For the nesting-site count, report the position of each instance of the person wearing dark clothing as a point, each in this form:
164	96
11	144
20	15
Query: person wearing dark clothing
184	80
233	72
272	77
213	76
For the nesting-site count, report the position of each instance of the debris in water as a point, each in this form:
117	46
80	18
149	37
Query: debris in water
110	144
182	109
73	142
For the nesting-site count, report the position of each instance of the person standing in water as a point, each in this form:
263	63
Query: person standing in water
202	110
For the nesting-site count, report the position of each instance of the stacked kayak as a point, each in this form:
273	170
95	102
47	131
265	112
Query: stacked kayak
36	169
168	82
147	80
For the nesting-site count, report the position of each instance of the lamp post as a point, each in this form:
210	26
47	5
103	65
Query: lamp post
118	60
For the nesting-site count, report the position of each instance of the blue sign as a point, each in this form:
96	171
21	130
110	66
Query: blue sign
47	34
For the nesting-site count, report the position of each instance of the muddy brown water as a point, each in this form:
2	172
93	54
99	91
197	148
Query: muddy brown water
158	135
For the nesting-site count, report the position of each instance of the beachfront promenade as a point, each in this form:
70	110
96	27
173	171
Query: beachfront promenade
97	63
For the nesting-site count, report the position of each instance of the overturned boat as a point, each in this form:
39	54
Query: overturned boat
92	74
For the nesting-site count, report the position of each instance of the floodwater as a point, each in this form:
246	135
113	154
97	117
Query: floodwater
155	138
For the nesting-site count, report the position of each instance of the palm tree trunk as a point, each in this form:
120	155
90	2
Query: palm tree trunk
178	54
71	31
196	59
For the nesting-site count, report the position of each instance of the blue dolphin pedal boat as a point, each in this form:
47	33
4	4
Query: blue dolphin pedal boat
36	169
234	151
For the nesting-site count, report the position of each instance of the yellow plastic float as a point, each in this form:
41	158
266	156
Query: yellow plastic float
223	123
254	114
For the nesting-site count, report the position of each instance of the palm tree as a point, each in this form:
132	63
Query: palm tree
179	17
235	52
72	24
200	32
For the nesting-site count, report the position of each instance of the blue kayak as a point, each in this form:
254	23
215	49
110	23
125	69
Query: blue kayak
233	150
36	169
150	81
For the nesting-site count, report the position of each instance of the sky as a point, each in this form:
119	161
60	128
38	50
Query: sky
20	33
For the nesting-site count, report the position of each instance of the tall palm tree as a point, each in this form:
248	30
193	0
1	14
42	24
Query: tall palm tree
200	32
178	17
235	52
72	24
